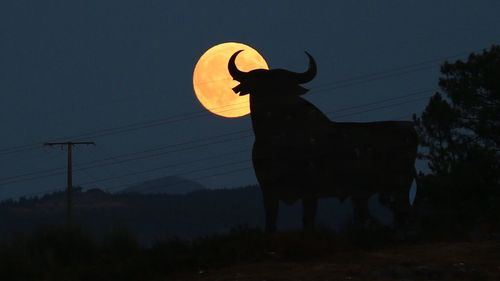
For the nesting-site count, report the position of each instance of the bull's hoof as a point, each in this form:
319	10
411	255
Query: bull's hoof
270	229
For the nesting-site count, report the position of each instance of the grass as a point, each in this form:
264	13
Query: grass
61	253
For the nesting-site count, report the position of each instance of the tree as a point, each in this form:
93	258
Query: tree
459	131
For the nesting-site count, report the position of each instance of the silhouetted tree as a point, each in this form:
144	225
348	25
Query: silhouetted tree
460	133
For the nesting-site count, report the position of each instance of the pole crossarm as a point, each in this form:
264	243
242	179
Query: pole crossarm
69	143
69	196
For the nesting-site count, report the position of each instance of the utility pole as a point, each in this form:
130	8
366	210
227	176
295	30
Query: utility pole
69	189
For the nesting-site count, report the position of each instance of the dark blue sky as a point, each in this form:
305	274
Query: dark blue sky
73	67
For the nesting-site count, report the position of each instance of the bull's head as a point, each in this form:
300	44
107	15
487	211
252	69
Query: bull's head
271	83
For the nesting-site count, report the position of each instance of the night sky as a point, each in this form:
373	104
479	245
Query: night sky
120	73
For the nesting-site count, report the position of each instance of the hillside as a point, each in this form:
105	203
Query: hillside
155	216
166	185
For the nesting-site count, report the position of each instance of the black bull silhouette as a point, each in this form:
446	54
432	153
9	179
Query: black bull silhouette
300	154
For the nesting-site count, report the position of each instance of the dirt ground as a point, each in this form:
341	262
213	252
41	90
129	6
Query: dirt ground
471	261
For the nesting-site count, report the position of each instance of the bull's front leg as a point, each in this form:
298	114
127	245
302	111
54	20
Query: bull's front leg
271	205
309	212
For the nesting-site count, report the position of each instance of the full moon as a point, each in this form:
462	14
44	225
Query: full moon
213	84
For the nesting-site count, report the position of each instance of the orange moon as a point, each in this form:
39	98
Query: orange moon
213	84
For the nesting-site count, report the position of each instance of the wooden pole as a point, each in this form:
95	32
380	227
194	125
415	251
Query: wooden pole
69	188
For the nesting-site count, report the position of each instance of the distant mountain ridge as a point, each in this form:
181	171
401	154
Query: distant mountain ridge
165	185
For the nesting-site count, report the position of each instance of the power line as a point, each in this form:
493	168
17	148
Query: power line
397	70
380	107
416	93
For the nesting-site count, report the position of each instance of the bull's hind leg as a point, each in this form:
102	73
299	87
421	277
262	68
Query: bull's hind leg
400	204
361	214
309	212
401	210
271	205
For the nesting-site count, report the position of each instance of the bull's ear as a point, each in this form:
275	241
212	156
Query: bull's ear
237	89
241	90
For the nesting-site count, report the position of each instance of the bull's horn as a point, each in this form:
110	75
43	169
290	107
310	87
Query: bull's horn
233	70
309	74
